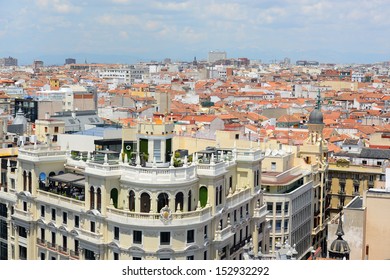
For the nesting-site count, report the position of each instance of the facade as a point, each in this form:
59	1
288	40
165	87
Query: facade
352	173
288	195
106	206
51	127
130	75
377	230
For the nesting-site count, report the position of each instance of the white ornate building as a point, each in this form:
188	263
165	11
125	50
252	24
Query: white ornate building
139	205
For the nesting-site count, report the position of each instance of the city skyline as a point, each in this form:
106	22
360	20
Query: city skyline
126	31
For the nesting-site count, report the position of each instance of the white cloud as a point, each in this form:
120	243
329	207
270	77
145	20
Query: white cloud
58	6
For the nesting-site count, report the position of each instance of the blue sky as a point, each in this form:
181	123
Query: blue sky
127	31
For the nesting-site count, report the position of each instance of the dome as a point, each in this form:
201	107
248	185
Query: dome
316	117
339	248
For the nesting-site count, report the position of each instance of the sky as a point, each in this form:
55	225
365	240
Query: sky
129	31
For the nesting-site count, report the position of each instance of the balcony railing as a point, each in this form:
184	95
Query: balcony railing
51	246
41	242
63	250
75	254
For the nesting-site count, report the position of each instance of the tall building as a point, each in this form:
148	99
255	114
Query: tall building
314	152
288	195
147	203
8	61
214	56
37	64
70	61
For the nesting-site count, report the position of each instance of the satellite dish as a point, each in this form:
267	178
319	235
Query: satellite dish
128	147
274	153
267	152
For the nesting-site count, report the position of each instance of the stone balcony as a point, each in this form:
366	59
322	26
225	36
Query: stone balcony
155	175
154	219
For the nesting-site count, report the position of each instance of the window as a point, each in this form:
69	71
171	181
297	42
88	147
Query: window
64	218
25	206
89	255
76	245
42	234
190	236
22	232
116	233
3	210
190	257
205	255
56	129
22	253
278	207
53	214
43	257
64	242
270	206
273	166
205	232
116	256
3	230
53	238
137	237
76	221
136	259
42	211
364	162
92	226
165	238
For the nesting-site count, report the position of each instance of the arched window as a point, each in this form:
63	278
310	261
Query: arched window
203	196
145	203
189	200
179	200
162	200
42	181
29	182
52	174
99	199
92	198
132	201
114	197
24	180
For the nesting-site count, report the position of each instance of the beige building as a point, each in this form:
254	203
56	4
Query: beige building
366	225
377	229
104	206
51	127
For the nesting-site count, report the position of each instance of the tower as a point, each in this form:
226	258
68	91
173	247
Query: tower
314	152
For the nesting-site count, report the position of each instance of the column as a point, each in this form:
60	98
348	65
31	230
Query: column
16	246
255	240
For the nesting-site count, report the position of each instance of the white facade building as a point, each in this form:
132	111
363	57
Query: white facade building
141	204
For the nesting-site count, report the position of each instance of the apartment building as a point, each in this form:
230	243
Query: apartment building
288	195
107	206
351	173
